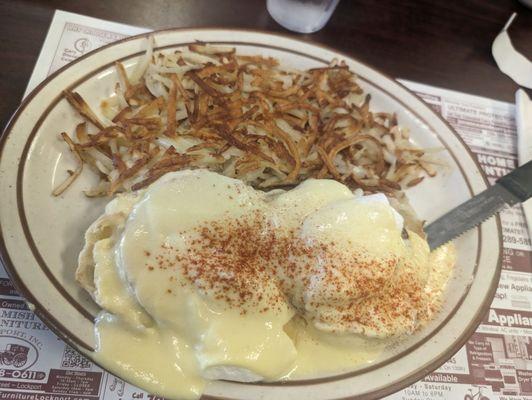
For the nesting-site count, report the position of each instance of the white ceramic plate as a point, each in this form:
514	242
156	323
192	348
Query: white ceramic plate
41	235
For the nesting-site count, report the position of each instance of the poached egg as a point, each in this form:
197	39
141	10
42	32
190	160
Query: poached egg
201	277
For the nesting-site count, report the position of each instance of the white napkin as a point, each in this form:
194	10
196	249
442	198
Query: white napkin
523	119
509	60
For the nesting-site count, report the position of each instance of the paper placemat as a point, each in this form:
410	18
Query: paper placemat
496	362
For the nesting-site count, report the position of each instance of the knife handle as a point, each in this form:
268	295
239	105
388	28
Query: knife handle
519	181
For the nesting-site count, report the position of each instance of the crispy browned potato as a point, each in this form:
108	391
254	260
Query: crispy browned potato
245	117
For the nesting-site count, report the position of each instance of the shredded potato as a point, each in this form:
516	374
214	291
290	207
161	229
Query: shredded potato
246	117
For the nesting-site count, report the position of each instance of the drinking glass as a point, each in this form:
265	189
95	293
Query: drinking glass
304	16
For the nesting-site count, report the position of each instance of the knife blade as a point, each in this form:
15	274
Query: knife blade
523	123
511	189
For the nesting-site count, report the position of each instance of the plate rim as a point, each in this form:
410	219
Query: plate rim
61	331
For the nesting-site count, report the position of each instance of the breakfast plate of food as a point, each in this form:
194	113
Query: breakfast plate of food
235	214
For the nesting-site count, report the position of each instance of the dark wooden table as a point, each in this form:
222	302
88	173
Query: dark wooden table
440	42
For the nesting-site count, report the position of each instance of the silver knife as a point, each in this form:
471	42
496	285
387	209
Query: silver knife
513	188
